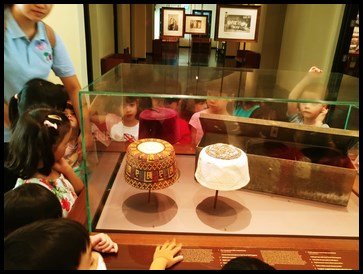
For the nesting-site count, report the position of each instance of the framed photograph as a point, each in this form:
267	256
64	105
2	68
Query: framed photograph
209	21
237	23
196	24
172	22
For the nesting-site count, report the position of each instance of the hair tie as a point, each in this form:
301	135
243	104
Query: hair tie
16	96
50	124
54	116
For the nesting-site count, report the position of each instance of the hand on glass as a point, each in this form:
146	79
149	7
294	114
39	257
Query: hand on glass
164	255
102	243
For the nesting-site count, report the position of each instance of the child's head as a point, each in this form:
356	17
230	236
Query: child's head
200	104
28	203
69	112
59	244
246	263
309	110
172	103
37	92
38	141
216	104
130	108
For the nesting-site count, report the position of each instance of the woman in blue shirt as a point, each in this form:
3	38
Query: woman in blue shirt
28	54
31	52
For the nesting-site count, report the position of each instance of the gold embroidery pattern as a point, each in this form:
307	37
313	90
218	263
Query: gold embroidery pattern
150	171
223	151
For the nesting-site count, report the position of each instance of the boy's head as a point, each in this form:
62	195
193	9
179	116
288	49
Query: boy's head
310	110
246	263
28	203
59	244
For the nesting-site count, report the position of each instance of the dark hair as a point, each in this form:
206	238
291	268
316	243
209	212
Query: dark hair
169	101
132	99
36	92
37	133
247	263
48	244
69	106
28	203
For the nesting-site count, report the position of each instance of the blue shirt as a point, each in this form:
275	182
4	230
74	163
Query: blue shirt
297	118
25	59
241	112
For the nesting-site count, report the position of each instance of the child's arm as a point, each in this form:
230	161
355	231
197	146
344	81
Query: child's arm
292	107
63	167
98	118
101	242
164	255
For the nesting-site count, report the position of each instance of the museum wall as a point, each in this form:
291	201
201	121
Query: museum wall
68	21
309	38
138	31
149	28
123	24
101	21
270	35
291	36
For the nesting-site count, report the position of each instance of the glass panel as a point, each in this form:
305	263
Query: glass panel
230	83
246	108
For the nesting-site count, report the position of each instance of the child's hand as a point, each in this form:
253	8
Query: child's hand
102	243
164	256
315	73
62	166
315	69
321	117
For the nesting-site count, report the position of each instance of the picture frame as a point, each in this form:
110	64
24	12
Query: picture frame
237	23
195	24
172	22
207	13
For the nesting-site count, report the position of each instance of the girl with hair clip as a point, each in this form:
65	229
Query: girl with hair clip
36	153
36	92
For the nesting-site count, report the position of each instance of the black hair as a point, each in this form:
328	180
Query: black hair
34	139
171	100
28	203
131	99
47	244
36	92
8	6
247	263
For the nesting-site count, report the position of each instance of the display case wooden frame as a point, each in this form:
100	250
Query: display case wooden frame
172	22
196	24
237	23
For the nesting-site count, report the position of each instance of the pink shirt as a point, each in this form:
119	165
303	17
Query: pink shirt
195	123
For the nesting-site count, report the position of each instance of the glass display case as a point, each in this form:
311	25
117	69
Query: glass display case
298	173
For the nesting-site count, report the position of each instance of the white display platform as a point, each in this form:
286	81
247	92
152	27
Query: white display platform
187	207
